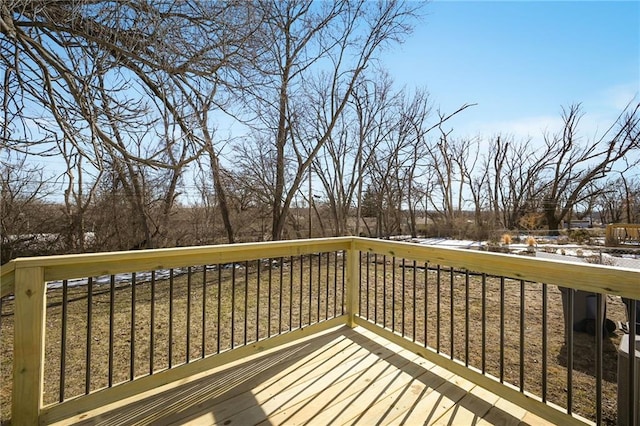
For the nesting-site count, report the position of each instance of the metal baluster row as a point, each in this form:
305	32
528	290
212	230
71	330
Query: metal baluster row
507	359
224	317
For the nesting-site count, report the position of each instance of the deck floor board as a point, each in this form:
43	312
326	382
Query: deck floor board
343	377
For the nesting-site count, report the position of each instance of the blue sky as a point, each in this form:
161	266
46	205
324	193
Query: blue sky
522	61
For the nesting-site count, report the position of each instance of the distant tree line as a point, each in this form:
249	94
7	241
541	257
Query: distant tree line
282	117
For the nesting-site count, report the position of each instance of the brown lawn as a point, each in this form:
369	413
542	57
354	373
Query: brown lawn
198	323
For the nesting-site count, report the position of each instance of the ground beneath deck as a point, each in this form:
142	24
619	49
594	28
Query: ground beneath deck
346	376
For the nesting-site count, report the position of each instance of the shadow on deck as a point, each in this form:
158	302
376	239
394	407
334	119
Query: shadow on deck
344	376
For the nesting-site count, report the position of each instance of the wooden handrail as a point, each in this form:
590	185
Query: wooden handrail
589	277
84	265
597	278
7	278
28	276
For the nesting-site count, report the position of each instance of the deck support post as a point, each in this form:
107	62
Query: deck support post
353	282
28	346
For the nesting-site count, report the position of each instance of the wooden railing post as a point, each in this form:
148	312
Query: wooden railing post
28	346
608	236
353	282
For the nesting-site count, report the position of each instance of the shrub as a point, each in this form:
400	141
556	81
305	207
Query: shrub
579	235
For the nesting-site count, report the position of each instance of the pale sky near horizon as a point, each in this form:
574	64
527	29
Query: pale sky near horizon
522	61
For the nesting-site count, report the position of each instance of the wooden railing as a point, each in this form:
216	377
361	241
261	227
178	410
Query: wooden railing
451	306
618	234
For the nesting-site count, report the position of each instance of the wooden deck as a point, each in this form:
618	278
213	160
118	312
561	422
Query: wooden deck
345	376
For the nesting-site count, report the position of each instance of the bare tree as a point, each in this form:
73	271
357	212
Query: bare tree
28	226
618	203
78	197
343	162
114	81
450	162
578	165
327	44
514	179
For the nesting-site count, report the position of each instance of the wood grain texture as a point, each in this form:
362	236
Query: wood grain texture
28	347
526	401
27	276
84	265
594	278
344	377
7	278
177	375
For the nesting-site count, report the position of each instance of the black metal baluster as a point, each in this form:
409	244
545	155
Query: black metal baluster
484	323
290	293
368	294
132	346
280	295
246	299
112	302
233	306
426	305
269	288
87	372
63	338
438	276
204	312
310	286
466	319
319	283
415	300
451	319
219	311
522	329
152	323
545	330
360	305
393	293
384	291
403	295
188	336
170	318
335	284
375	288
344	253
258	300
404	290
501	329
300	292
327	285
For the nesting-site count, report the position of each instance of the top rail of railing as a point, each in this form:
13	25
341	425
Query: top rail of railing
7	278
83	265
32	272
589	277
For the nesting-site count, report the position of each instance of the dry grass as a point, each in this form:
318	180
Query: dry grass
453	319
289	285
315	287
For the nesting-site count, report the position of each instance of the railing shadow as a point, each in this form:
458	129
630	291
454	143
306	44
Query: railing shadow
424	391
439	393
191	400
